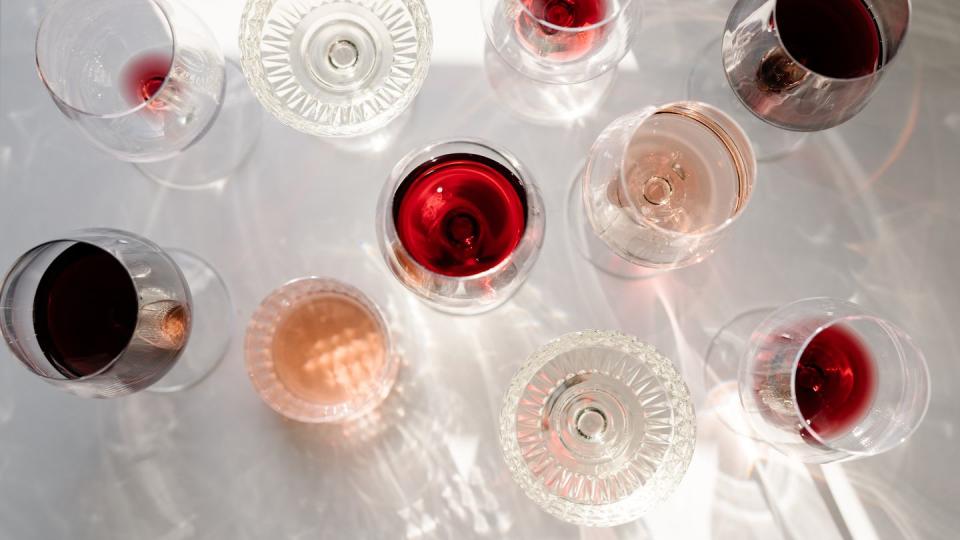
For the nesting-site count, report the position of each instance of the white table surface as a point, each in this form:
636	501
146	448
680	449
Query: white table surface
866	212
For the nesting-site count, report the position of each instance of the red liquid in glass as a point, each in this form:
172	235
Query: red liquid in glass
84	310
835	381
460	214
554	43
144	75
835	38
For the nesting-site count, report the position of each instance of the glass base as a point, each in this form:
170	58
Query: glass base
209	162
708	83
541	102
721	368
591	247
212	329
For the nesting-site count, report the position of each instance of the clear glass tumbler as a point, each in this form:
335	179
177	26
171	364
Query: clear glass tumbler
562	41
460	224
338	68
104	313
660	188
319	350
597	428
822	379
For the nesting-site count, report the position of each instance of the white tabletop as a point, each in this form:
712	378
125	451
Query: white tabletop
864	212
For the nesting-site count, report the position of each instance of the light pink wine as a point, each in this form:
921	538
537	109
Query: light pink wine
567	34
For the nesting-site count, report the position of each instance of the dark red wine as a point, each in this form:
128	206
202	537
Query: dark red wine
835	38
835	381
460	214
85	310
144	75
553	40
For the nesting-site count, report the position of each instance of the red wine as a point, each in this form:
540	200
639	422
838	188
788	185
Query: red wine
835	381
85	310
460	214
144	75
561	45
835	38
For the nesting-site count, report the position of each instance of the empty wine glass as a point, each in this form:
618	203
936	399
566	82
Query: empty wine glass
660	188
821	379
144	80
597	428
319	350
460	223
561	41
799	65
104	313
336	69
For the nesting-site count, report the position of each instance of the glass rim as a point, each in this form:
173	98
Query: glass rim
744	161
313	286
76	238
167	22
879	70
893	333
531	191
624	4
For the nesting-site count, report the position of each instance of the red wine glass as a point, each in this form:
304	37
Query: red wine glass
821	379
460	224
146	81
104	313
561	41
799	65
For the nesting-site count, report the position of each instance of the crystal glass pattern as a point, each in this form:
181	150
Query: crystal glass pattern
336	68
597	428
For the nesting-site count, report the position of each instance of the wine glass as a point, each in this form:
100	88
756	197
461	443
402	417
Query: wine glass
597	428
319	350
144	80
104	313
822	379
460	224
800	65
336	69
561	41
660	188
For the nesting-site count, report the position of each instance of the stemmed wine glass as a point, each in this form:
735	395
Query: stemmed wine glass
319	350
597	428
460	224
799	65
145	81
556	59
821	379
336	69
660	188
104	313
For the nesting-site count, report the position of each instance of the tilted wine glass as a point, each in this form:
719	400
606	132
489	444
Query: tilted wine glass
104	313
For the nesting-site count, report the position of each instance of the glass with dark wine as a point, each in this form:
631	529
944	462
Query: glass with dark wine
801	65
822	379
146	81
105	313
460	224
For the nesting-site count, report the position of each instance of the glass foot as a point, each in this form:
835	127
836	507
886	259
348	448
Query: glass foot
708	83
209	162
592	247
212	329
540	102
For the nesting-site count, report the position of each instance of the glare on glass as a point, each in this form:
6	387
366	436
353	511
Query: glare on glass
661	187
336	69
143	79
822	379
319	350
460	224
561	41
105	313
597	428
